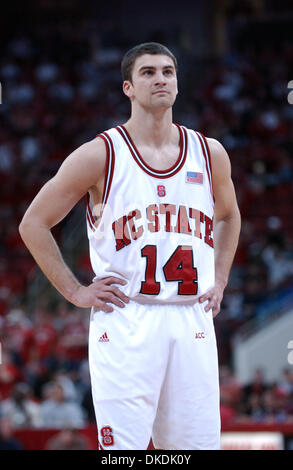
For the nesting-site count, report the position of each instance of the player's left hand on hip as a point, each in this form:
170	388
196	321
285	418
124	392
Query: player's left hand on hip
213	297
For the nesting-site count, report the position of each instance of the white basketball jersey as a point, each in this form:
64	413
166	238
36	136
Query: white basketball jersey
156	227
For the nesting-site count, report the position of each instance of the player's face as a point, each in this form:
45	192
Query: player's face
154	82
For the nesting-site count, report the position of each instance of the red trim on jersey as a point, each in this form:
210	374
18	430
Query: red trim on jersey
107	163
210	161
147	168
112	166
89	215
89	209
207	158
89	222
109	170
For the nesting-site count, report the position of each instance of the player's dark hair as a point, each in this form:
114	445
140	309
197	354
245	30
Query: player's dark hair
145	48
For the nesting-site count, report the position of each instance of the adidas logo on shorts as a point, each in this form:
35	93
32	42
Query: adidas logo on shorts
104	338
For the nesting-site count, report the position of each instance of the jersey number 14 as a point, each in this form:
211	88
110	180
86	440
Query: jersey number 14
179	267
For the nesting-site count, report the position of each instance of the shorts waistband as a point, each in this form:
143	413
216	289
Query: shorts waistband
164	303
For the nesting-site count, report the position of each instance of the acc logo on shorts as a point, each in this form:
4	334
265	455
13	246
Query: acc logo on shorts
199	335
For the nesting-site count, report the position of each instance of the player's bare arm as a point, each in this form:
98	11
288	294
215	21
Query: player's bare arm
226	224
82	171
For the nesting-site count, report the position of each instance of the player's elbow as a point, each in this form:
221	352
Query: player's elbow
235	220
28	227
24	227
234	216
229	214
231	220
237	216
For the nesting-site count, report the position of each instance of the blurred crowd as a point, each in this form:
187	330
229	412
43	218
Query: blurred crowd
258	401
60	87
44	376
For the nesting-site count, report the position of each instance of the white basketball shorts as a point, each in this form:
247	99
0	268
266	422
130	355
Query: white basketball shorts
154	373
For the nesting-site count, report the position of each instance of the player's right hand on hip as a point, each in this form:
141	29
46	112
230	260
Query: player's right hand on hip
100	293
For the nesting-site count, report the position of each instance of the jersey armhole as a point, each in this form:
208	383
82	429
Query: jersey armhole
207	156
109	168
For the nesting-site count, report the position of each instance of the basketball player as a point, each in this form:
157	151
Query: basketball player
161	248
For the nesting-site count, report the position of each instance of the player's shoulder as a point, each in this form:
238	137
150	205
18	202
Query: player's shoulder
92	148
218	152
220	161
86	162
215	146
89	157
91	153
98	146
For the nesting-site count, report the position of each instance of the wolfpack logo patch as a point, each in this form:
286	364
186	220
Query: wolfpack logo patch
107	436
194	177
161	190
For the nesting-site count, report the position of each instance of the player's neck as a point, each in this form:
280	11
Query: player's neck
156	131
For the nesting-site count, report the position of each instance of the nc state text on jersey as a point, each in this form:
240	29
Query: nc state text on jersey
166	217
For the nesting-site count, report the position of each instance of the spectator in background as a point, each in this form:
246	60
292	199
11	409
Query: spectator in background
254	408
18	333
56	412
68	439
10	374
44	333
274	406
70	391
7	440
285	384
22	410
257	386
73	339
279	265
227	409
230	388
33	369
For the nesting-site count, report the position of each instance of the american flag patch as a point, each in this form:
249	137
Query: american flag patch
194	177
